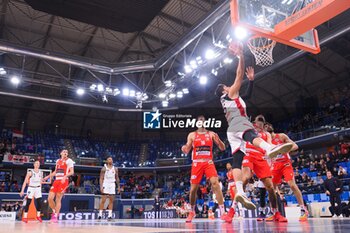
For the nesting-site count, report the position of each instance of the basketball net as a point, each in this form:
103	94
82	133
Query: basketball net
262	48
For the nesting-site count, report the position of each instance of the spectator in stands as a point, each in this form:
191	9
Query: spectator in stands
298	177
333	188
342	172
204	212
329	163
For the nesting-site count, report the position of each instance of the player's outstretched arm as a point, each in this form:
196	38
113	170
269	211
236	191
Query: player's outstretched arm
51	175
286	139
234	89
251	76
188	146
24	185
117	179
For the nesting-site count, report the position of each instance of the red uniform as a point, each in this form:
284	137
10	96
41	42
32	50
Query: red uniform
231	184
281	165
202	158
255	160
62	166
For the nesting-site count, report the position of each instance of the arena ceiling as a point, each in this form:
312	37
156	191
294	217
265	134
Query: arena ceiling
55	51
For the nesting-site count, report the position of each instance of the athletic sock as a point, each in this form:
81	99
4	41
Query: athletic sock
25	215
109	213
234	205
193	208
38	214
264	145
222	209
239	187
274	210
100	213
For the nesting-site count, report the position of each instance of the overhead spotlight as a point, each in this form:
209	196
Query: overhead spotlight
109	90
80	91
188	69
144	97
228	60
229	38
185	91
100	88
172	95
214	72
179	94
203	80
199	60
15	80
132	93
193	64
240	33
209	54
168	83
180	74
165	103
93	87
2	71
116	91
126	91
138	94
104	99
162	95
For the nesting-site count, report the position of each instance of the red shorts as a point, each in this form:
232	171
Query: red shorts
202	168
59	187
282	169
258	165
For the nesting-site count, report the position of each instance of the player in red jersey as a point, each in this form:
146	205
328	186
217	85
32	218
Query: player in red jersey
255	161
201	143
64	169
232	189
282	168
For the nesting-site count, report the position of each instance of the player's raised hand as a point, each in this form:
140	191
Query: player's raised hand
21	194
185	149
250	73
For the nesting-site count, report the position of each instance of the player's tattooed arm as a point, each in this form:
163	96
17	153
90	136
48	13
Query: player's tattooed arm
286	139
188	146
117	179
218	141
102	176
234	89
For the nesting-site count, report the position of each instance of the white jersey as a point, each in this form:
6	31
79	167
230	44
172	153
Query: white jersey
35	179
233	108
109	175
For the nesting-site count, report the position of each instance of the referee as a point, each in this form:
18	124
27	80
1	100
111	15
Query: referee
333	188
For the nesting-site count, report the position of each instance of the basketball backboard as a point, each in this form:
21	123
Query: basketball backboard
261	17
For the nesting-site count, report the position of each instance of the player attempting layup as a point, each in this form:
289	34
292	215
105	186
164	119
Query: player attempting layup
33	180
201	141
108	178
282	167
64	169
240	128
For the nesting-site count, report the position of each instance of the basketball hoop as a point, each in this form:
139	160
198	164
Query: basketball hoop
261	48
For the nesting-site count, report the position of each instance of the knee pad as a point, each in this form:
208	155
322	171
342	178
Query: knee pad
26	208
237	159
250	135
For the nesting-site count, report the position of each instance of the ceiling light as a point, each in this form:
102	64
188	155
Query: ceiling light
126	91
203	80
15	80
193	64
179	94
80	91
2	71
132	93
185	91
199	60
116	91
188	69
172	95
168	83
214	72
104	99
109	90
228	60
100	88
165	103
240	33
209	54
93	87
162	95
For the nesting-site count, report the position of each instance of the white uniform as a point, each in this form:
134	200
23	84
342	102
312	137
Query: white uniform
34	186
109	181
238	122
